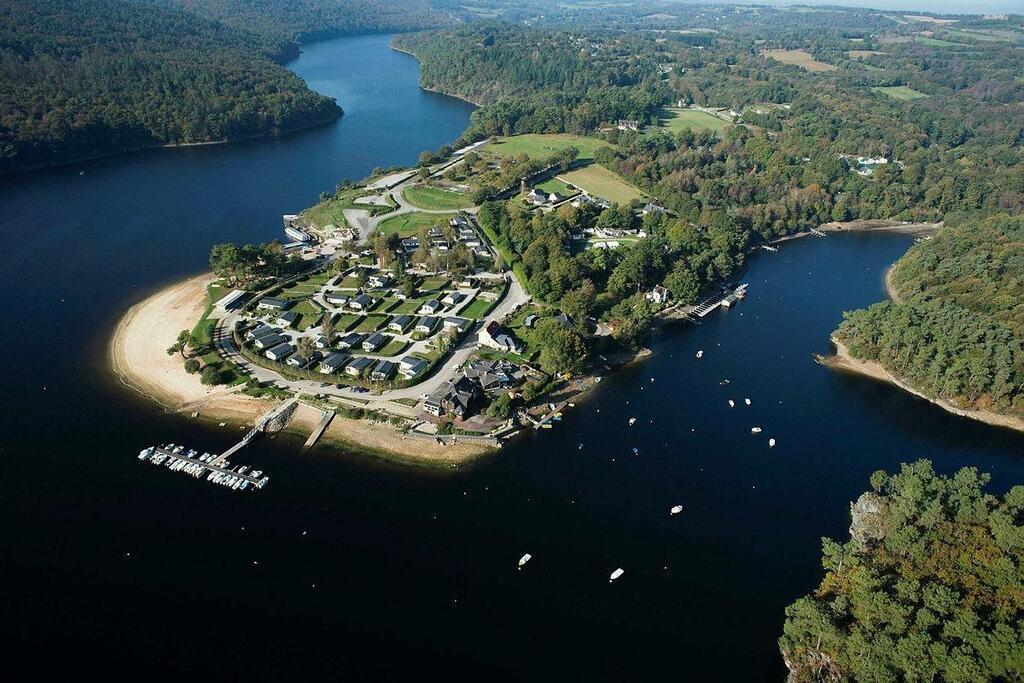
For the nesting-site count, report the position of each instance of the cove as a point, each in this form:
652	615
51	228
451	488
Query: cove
347	568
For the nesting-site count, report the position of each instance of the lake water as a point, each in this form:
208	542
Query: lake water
346	567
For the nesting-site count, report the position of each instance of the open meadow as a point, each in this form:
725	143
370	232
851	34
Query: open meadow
436	198
900	92
674	120
599	181
539	146
799	58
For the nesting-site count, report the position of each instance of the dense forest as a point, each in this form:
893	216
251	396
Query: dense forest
86	78
930	586
957	332
298	20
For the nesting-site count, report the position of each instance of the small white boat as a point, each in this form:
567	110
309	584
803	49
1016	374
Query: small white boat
755	430
523	560
700	354
747	401
632	421
616	574
732	403
676	509
771	443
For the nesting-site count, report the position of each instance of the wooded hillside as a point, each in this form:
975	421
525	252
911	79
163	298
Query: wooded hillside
958	333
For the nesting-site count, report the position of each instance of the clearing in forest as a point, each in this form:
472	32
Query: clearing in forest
540	146
799	58
900	92
675	120
600	182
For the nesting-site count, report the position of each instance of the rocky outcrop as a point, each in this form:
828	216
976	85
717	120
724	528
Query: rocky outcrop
867	519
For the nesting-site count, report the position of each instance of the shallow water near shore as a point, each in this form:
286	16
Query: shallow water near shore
345	568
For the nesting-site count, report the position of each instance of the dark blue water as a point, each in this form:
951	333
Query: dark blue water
401	572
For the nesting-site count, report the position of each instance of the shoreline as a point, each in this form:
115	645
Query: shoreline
863	225
137	356
170	145
433	90
844	361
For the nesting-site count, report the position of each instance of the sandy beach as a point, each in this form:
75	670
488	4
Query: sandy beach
138	355
138	347
843	360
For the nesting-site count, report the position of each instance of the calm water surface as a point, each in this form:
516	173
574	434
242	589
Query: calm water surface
348	568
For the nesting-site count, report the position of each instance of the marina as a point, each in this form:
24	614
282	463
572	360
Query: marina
216	469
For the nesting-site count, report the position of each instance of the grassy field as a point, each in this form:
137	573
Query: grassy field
935	42
426	197
598	180
475	310
901	92
675	120
345	321
409	224
555	185
430	284
539	146
370	323
309	312
799	58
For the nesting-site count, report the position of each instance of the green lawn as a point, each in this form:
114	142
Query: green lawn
426	197
369	323
901	92
555	185
349	282
409	224
434	283
309	312
475	310
410	305
393	348
345	321
598	180
675	120
540	146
